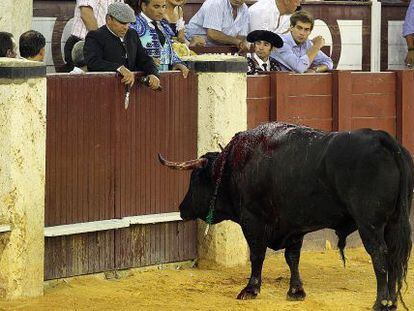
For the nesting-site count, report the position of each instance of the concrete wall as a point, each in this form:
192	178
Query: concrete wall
222	112
22	177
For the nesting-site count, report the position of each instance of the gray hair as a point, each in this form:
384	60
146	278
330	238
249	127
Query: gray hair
77	54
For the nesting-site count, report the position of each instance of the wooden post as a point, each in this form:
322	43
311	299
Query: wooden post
342	105
278	92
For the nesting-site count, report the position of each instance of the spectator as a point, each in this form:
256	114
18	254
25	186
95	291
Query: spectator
264	41
272	15
8	46
32	46
78	58
116	47
408	33
155	35
298	53
221	22
88	15
174	16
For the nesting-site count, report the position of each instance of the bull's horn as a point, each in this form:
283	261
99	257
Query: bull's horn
221	147
187	165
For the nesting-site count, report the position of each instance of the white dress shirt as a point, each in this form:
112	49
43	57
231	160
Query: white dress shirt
264	15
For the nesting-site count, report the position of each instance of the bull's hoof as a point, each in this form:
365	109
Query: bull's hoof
385	306
248	293
296	294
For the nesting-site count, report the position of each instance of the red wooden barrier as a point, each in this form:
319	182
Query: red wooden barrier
258	100
303	99
101	164
341	100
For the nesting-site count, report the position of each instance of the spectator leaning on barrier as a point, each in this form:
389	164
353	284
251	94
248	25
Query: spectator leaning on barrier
88	15
32	46
298	53
272	15
116	47
8	47
259	61
408	33
221	22
155	35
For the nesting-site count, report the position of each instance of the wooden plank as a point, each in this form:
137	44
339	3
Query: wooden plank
309	84
405	110
387	124
342	109
258	86
93	226
373	105
258	111
152	218
373	82
5	228
309	107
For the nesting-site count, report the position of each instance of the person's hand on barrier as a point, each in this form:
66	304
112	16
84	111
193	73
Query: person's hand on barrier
244	47
157	61
198	41
409	59
154	82
184	70
128	77
318	41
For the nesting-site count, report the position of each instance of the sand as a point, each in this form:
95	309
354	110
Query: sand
328	284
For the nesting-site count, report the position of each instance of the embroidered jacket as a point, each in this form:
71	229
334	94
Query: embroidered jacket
254	68
150	41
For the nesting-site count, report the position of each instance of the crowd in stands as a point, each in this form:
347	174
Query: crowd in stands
146	35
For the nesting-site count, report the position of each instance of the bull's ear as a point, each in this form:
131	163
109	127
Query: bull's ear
187	165
221	147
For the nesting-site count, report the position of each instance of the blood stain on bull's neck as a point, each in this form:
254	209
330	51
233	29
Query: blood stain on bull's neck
244	144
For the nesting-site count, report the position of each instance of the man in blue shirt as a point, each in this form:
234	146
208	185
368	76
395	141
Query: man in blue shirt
221	22
408	33
298	53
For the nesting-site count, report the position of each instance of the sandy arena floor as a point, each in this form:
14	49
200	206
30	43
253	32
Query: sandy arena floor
329	286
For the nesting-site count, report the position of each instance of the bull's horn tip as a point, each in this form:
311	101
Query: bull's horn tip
160	158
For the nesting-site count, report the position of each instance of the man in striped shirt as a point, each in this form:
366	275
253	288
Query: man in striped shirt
221	22
89	15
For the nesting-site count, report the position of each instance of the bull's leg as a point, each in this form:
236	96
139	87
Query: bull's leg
292	256
390	233
373	240
254	232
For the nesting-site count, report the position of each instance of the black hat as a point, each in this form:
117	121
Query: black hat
265	35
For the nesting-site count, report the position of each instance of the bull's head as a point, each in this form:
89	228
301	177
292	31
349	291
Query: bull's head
196	203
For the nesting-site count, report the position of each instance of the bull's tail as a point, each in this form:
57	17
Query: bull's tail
398	230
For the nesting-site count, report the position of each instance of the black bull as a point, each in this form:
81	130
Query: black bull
281	181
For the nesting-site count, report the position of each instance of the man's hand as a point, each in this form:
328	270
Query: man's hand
318	42
197	41
128	77
244	47
157	61
409	59
184	70
153	82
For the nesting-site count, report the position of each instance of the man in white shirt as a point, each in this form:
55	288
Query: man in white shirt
272	15
89	15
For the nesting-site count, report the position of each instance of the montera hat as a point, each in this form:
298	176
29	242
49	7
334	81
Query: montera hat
122	12
265	35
